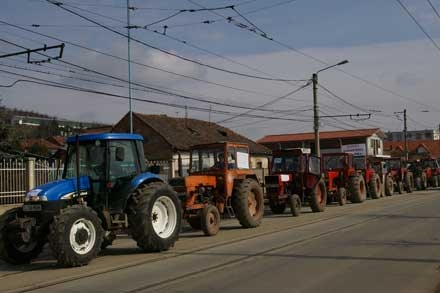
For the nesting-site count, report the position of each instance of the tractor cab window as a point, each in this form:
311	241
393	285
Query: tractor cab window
314	165
207	159
91	160
334	162
286	164
394	164
359	163
242	158
122	159
231	158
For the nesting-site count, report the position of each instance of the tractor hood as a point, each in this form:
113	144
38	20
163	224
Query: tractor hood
65	188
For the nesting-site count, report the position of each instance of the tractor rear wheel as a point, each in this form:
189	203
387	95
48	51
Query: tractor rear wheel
295	205
16	251
418	183
76	236
210	220
435	179
424	181
318	197
389	186
276	206
374	186
248	203
409	182
154	216
342	196
399	187
358	190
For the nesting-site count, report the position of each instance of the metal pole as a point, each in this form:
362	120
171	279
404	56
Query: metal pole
405	135
129	67
316	114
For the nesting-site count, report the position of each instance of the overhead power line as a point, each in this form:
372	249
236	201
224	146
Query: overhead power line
433	8
80	89
60	5
134	62
418	24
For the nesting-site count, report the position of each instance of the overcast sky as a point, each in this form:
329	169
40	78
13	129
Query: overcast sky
203	57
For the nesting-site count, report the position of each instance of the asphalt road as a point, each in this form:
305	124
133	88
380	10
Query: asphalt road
386	245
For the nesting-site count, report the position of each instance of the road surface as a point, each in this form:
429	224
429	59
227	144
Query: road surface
386	245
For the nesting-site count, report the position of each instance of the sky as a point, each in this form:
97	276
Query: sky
245	64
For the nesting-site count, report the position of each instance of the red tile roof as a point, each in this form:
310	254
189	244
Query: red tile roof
432	146
323	135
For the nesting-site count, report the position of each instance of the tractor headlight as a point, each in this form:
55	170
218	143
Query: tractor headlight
34	195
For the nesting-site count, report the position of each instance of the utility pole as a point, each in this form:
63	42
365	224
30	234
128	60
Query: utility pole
316	107
405	135
129	66
316	114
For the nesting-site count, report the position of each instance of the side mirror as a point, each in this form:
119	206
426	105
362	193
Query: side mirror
120	154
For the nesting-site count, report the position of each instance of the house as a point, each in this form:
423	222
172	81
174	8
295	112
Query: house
167	140
417	149
427	134
358	141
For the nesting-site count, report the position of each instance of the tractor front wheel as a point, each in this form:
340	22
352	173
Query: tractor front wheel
154	216
210	220
248	203
295	205
342	196
76	236
14	249
424	182
318	197
409	182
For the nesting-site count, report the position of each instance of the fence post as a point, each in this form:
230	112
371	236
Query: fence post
30	173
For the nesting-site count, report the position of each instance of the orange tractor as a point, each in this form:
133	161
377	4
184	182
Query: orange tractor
402	177
220	183
295	177
342	180
432	170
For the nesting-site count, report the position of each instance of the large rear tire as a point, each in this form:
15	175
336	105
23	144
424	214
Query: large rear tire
318	197
424	183
248	203
358	190
389	186
399	187
374	186
409	182
16	251
154	216
276	206
76	236
435	179
210	220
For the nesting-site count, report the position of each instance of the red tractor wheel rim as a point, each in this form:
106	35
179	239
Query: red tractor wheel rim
318	193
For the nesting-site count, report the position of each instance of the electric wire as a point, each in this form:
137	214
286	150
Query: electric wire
60	5
433	8
418	24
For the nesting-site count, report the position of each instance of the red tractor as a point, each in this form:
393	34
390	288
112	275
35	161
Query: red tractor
432	170
403	178
380	167
295	178
342	179
372	179
220	182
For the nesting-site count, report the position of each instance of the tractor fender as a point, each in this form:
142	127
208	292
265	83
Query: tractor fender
143	178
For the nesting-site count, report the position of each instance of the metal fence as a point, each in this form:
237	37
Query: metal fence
19	175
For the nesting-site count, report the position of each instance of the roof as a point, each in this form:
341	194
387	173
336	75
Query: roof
27	143
105	136
432	146
310	136
183	133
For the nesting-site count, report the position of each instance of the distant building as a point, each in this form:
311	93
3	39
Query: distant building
427	134
417	149
65	127
359	141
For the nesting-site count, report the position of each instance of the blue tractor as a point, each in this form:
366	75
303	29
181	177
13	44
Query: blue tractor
105	188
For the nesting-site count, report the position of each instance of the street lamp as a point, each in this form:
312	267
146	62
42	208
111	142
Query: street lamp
316	107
